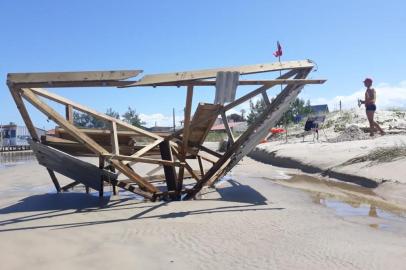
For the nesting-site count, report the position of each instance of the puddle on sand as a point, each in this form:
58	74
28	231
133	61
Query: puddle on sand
10	159
351	201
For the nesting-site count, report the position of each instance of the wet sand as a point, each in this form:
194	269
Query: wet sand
260	218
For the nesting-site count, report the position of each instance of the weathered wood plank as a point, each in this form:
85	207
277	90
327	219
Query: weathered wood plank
211	73
144	160
227	127
54	180
114	139
69	166
203	120
240	82
79	76
170	172
69	113
24	113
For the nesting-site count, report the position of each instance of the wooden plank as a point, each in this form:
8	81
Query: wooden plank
227	127
70	185
203	120
102	178
54	180
144	160
199	159
69	113
211	73
114	139
24	113
69	166
79	76
74	84
240	82
185	139
146	148
170	172
51	113
64	101
266	99
188	112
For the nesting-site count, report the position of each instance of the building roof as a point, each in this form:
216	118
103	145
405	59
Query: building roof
230	124
319	108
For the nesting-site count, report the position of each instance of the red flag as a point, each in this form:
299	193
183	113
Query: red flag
278	52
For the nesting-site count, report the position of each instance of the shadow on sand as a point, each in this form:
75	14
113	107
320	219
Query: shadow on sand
55	205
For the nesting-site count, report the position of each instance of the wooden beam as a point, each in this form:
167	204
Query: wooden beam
24	113
144	160
227	127
266	99
102	177
80	76
74	84
69	166
54	180
170	172
64	101
114	139
70	128
186	132
211	73
199	159
69	113
146	148
241	82
70	185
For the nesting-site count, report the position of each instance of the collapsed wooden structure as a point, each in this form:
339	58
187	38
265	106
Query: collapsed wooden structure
114	145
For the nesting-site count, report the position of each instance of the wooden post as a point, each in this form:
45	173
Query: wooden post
227	127
199	159
102	177
170	172
186	132
69	113
54	180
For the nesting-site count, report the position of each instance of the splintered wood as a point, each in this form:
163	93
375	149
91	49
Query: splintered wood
173	152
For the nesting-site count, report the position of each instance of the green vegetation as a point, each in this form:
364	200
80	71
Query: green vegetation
85	120
298	107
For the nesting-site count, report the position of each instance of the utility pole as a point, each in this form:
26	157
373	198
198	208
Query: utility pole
340	105
1	134
173	116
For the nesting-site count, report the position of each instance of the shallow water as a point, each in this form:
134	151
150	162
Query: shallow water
10	159
351	202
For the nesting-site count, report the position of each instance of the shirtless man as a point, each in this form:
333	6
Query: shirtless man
370	98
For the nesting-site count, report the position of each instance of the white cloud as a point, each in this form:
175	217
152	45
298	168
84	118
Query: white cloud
159	119
388	96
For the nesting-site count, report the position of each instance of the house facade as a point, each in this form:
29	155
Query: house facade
12	134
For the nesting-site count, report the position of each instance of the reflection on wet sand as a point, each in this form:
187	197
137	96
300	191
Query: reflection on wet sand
348	200
14	158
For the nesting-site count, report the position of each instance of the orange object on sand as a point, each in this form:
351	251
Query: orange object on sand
277	130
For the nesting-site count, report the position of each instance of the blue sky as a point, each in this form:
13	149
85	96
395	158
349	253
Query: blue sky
349	40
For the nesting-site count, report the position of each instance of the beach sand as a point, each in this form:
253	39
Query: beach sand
254	220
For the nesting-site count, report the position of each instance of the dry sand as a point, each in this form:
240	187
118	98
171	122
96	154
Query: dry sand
253	221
